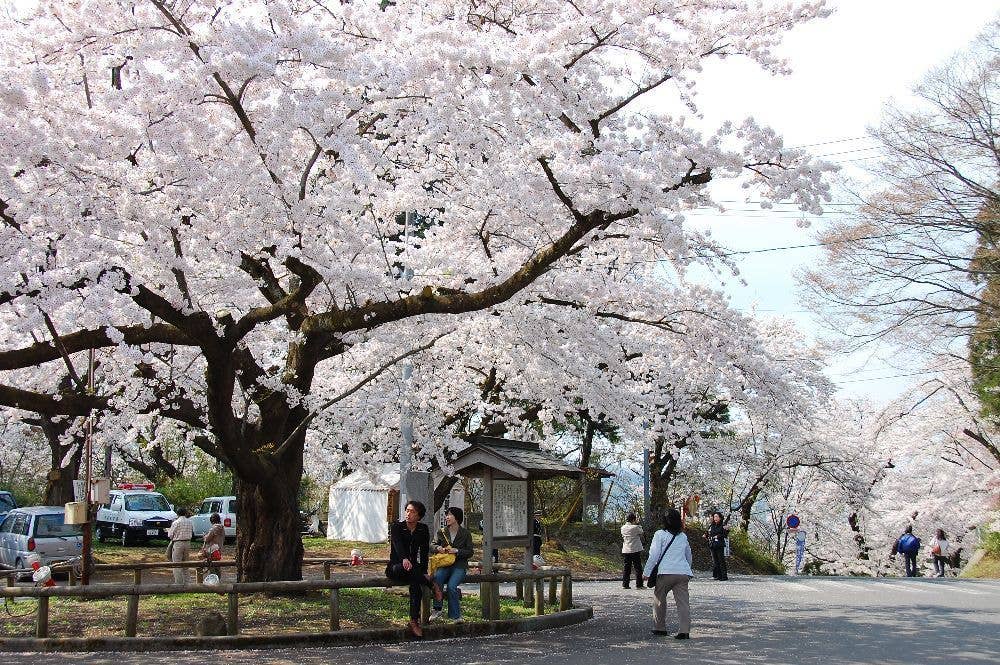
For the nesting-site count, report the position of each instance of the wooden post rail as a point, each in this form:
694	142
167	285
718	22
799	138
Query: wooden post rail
534	580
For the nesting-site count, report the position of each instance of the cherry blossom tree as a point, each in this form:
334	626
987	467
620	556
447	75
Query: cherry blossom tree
213	195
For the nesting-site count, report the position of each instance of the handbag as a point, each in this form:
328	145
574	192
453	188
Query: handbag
651	582
936	549
440	559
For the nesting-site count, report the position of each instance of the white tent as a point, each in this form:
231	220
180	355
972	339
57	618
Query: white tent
359	503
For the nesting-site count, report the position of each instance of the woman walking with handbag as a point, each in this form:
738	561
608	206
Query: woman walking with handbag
211	548
668	568
939	550
453	541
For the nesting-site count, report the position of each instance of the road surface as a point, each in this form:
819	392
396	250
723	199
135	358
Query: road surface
744	620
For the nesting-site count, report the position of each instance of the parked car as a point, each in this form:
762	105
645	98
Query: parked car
134	515
7	502
38	529
225	506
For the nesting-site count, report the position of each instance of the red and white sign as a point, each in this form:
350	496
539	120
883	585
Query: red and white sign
137	486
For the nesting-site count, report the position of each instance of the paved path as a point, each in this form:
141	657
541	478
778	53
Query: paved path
745	620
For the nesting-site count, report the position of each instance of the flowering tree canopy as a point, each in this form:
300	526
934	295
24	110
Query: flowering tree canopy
214	195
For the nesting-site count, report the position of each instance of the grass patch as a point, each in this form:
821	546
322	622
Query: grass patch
177	615
986	568
991	543
989	565
759	561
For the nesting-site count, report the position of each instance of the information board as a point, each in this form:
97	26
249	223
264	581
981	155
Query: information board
510	508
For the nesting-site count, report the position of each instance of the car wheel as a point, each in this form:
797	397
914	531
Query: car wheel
100	535
126	541
18	565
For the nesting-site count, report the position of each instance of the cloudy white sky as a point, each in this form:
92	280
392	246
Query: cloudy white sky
845	68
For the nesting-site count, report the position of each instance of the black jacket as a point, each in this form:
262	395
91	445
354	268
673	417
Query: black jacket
717	536
412	545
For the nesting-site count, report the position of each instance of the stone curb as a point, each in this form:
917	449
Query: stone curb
576	615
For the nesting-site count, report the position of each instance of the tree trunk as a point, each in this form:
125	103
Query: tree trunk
586	450
746	507
661	472
268	538
59	482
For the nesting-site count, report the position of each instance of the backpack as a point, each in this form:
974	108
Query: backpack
909	544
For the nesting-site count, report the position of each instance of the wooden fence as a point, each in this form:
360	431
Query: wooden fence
489	592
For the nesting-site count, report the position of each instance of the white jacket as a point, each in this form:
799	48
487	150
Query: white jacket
631	538
943	543
676	560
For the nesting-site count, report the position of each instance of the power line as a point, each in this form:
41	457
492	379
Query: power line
803	246
892	376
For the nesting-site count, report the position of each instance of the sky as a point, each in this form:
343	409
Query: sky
845	68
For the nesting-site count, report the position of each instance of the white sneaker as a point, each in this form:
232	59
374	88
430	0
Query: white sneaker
434	616
459	620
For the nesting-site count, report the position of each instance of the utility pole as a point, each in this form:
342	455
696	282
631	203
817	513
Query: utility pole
413	485
645	484
88	533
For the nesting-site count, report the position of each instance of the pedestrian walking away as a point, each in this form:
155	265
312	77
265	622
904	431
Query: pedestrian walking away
180	532
939	550
452	539
716	535
409	545
631	551
908	545
211	547
670	556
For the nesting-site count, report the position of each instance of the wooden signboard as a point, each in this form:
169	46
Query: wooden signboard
510	505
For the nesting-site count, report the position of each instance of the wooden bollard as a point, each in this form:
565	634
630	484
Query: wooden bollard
539	597
199	575
72	576
552	590
565	599
132	616
326	570
484	598
234	614
334	610
42	621
529	593
519	594
137	576
425	605
495	601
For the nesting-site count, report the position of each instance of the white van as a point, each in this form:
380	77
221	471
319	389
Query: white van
134	514
225	506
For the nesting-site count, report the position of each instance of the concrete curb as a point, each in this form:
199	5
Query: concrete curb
576	615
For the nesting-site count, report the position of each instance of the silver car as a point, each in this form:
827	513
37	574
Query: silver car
38	529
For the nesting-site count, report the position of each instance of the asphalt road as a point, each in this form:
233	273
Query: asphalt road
745	620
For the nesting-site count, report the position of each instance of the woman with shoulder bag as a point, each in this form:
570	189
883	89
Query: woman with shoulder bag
211	547
669	564
456	540
939	550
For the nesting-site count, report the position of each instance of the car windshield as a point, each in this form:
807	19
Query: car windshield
6	503
52	526
146	502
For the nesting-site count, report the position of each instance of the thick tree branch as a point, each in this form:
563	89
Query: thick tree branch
83	340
